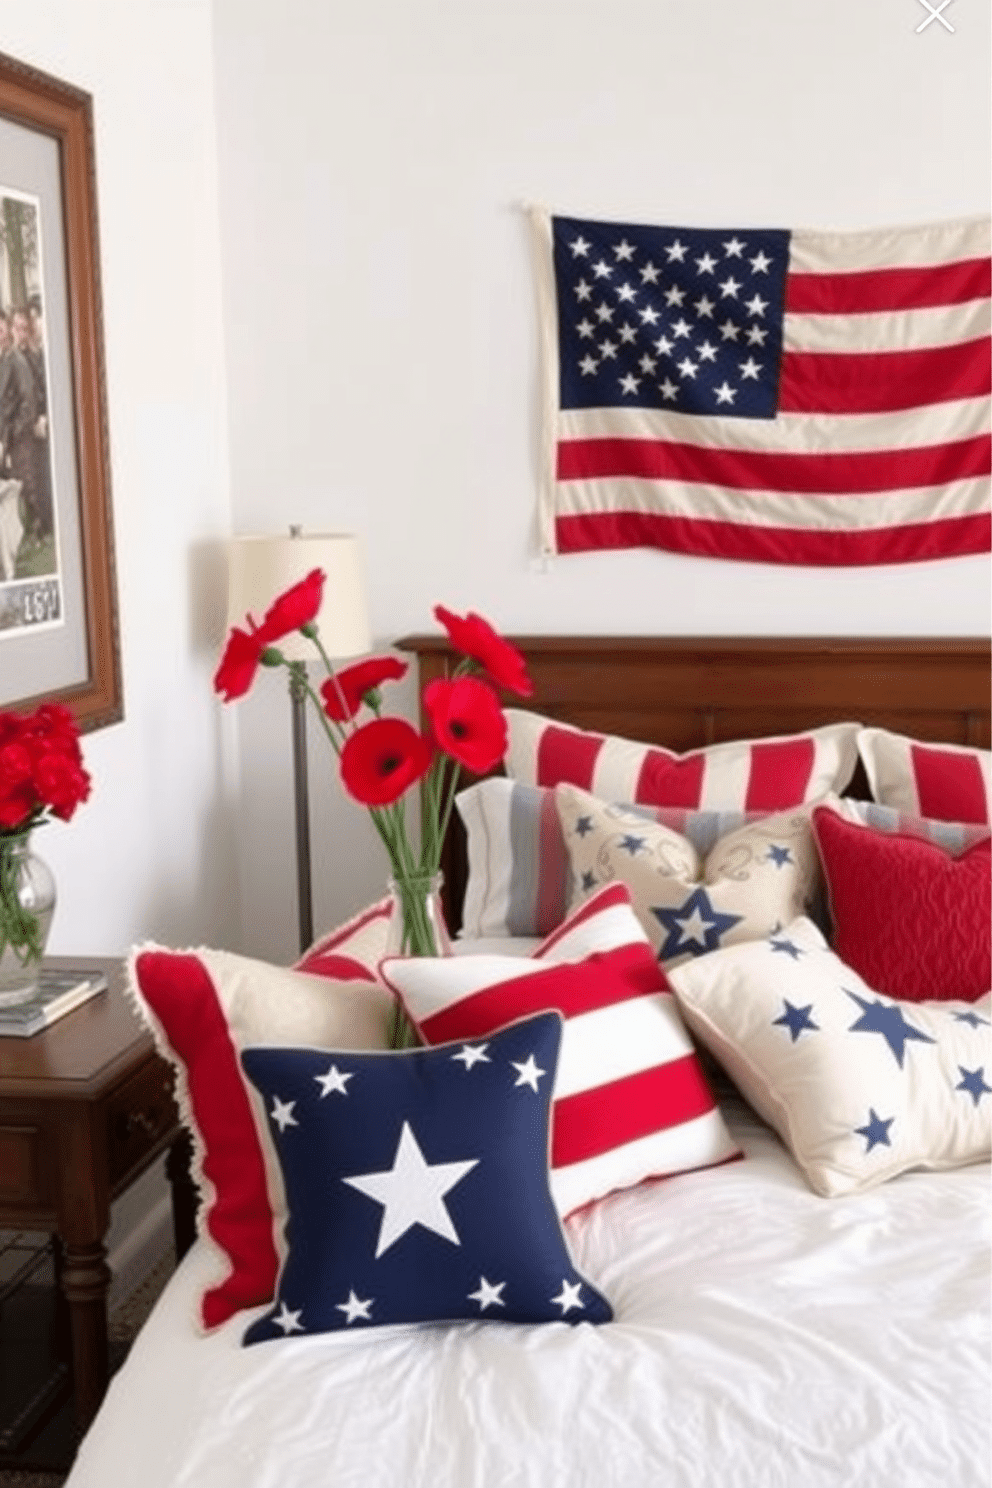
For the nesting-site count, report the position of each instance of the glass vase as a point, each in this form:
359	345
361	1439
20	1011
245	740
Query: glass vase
416	928
27	903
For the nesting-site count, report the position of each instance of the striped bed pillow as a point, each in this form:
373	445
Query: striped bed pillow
946	782
630	1099
520	878
762	775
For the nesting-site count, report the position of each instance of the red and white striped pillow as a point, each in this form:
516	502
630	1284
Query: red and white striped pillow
631	1100
761	775
203	1007
946	782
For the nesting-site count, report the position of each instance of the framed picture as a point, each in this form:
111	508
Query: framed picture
58	603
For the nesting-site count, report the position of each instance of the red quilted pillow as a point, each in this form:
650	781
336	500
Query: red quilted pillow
908	917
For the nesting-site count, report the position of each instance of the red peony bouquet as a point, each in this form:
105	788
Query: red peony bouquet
41	777
380	758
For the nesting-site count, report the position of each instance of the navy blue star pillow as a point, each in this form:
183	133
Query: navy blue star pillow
417	1185
858	1085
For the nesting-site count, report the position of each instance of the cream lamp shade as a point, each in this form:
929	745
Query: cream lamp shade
261	568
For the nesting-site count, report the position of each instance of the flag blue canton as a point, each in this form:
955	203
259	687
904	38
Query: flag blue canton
684	319
417	1185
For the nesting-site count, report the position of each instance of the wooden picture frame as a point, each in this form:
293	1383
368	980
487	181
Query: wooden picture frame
59	638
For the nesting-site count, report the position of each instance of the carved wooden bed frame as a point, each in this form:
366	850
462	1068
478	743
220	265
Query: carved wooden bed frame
689	691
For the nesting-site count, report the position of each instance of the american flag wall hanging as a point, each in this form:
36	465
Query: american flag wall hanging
782	397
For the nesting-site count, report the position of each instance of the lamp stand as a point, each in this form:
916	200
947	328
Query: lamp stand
301	799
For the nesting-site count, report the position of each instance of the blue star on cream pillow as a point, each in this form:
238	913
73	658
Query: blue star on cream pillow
417	1185
858	1085
754	878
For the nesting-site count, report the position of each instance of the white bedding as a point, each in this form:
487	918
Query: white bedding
763	1336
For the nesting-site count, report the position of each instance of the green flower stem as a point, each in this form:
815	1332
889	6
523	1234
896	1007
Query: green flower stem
20	930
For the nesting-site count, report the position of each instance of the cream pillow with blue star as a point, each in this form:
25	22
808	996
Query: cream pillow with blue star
752	880
417	1185
859	1086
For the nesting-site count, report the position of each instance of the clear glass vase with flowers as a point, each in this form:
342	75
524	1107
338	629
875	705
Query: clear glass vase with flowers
41	778
381	757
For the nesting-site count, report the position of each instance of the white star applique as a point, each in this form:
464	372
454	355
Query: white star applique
488	1294
569	1297
288	1321
282	1113
356	1307
412	1192
334	1081
528	1073
470	1054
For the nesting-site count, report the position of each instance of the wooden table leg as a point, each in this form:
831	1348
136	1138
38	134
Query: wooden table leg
85	1283
185	1199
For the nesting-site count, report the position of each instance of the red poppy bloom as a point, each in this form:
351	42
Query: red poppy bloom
477	639
293	609
239	663
382	759
467	722
243	652
345	692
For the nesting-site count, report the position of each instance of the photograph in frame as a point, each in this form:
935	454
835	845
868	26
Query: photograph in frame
58	611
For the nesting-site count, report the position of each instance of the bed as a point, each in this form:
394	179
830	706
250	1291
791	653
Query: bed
773	1317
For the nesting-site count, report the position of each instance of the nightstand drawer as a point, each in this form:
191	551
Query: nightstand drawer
139	1115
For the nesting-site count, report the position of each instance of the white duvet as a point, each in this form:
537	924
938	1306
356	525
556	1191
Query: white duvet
764	1336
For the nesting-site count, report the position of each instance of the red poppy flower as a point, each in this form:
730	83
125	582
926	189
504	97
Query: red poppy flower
383	759
345	692
293	609
467	722
243	652
477	639
239	663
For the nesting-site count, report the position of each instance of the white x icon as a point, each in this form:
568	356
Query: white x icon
936	14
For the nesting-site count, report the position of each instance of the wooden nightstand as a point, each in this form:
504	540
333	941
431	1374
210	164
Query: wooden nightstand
85	1107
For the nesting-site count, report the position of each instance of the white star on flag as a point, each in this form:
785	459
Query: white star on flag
334	1081
488	1294
412	1192
568	1297
288	1321
355	1307
528	1073
470	1054
282	1113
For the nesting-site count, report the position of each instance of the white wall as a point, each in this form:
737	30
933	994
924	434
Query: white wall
379	316
318	307
150	855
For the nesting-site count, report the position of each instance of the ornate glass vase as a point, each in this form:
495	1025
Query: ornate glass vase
416	928
27	903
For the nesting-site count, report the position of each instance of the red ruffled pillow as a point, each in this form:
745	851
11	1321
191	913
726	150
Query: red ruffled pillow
910	918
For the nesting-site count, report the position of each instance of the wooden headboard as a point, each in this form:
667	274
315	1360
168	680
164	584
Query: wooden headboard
684	692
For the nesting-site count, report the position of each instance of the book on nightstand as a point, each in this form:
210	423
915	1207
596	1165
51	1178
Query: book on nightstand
58	992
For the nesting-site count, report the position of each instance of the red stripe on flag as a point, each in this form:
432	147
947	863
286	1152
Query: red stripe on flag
748	470
950	538
883	381
779	774
670	782
567	755
654	1100
599	981
950	787
889	289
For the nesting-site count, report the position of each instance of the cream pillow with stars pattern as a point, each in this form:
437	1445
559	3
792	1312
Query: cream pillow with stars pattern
753	880
859	1086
